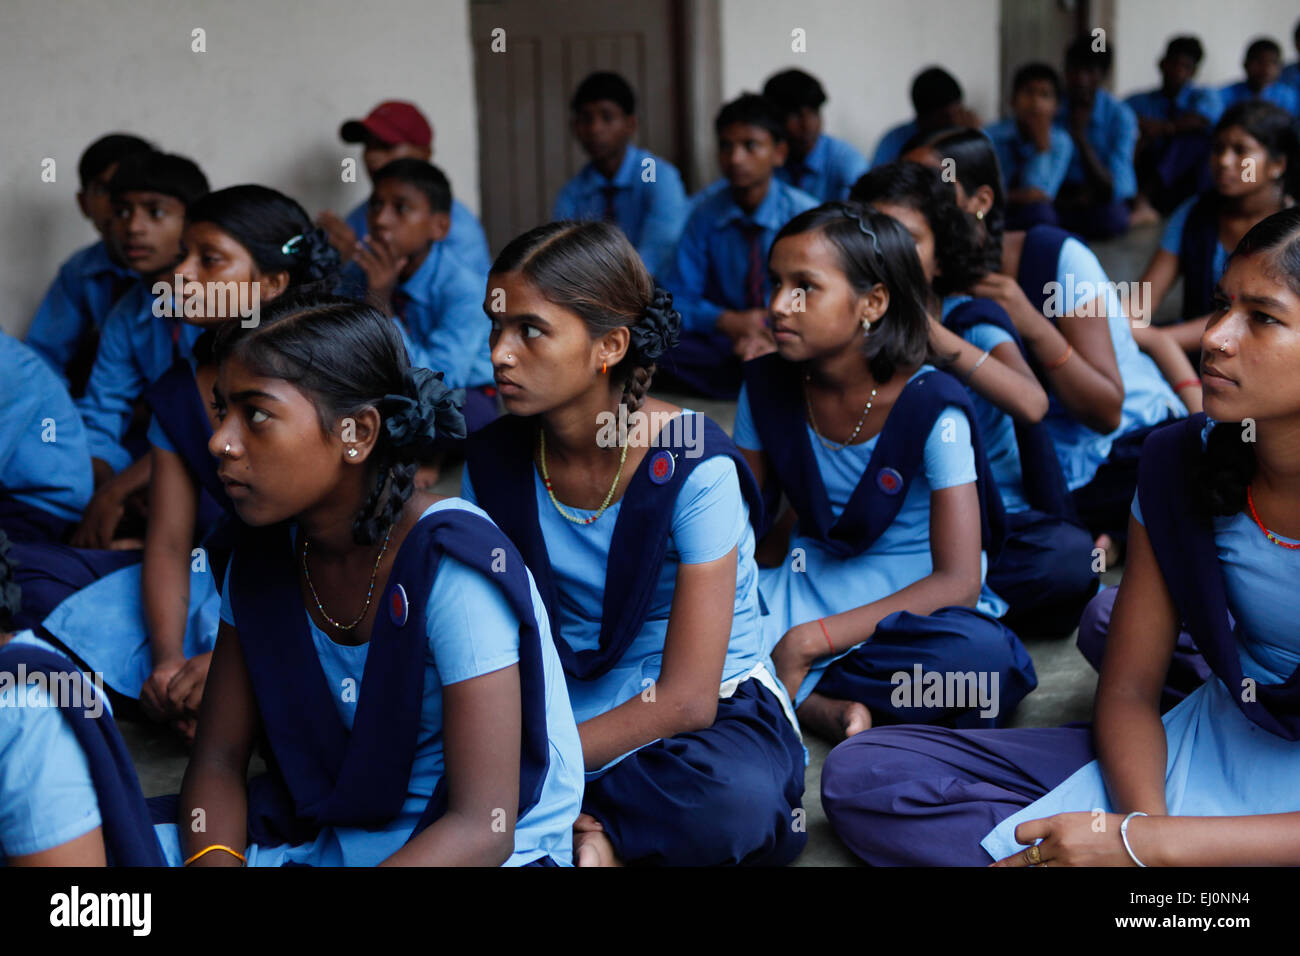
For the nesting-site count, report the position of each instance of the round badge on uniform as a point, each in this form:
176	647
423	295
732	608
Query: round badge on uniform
662	467
889	481
398	607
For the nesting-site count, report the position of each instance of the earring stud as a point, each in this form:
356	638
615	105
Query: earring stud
352	453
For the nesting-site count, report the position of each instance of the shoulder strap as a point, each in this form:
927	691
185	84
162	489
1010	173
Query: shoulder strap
128	833
178	406
1182	537
1196	255
1039	258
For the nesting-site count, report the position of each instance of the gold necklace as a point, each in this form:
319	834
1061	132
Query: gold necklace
813	421
546	480
369	594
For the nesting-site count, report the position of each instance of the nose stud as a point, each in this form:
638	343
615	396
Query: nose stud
1223	347
226	451
510	358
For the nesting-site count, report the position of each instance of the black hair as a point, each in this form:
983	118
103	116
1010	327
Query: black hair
1274	128
426	177
792	90
1081	55
752	110
934	89
1227	467
276	231
106	151
347	356
157	172
11	595
593	270
975	164
1188	46
901	337
923	189
604	85
1263	45
1032	72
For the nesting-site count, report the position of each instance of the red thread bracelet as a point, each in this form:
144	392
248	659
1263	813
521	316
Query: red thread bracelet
1179	386
822	622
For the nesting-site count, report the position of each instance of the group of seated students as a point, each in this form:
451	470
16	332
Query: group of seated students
224	428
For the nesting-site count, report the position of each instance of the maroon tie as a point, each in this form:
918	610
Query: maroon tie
611	214
756	276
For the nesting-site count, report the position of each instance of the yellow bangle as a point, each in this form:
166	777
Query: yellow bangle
216	846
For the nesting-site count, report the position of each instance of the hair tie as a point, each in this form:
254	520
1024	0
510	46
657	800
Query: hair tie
291	245
660	324
428	409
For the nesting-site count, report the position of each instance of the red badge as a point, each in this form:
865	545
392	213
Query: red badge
397	605
662	467
889	481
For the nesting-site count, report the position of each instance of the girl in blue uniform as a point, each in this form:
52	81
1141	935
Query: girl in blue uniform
1214	544
150	629
1105	394
1045	570
68	793
634	515
389	645
1254	135
895	507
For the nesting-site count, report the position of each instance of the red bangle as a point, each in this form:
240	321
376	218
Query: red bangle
822	622
1179	386
1069	350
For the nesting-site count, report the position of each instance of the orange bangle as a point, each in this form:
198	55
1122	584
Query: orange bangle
216	846
1185	383
822	622
1069	350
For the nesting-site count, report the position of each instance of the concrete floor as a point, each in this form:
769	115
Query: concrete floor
1066	683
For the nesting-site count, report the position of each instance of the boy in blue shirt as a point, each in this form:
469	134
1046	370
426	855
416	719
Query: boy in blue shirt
1174	124
65	329
937	99
1034	154
1100	180
641	192
719	281
410	273
393	130
150	194
1263	66
821	166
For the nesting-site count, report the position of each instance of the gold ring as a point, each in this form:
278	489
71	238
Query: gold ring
1034	855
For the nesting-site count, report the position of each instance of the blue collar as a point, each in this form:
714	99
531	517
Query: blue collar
768	214
420	287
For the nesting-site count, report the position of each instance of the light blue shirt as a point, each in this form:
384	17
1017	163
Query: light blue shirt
997	428
828	172
1171	240
465	238
1153	104
471	631
135	348
1113	134
47	796
78	300
1281	94
1148	399
712	261
1023	165
824	583
44	460
710	518
650	211
892	143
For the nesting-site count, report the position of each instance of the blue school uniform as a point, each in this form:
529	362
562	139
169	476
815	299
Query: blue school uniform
1023	165
672	801
1280	94
470	629
828	172
1192	234
64	769
891	144
1154	104
651	212
465	238
721	264
45	477
1291	75
76	304
824	580
1113	134
135	348
441	308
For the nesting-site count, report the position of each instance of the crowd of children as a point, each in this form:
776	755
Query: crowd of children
227	418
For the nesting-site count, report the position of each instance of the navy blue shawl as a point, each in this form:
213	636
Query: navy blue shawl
178	406
1196	255
1040	469
774	388
500	463
1182	537
129	838
320	773
1039	258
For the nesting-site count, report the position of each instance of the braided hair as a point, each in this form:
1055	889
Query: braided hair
590	268
348	356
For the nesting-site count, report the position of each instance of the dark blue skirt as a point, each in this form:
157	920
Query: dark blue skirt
1044	573
48	573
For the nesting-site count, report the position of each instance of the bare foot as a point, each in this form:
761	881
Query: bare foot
593	848
832	718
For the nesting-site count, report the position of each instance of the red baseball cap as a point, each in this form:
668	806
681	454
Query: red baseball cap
391	122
